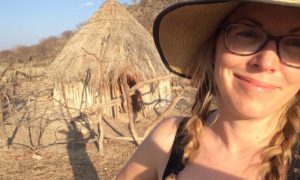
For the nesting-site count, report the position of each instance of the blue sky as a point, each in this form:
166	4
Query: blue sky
25	22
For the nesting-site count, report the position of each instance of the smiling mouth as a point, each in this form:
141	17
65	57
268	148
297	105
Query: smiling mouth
255	83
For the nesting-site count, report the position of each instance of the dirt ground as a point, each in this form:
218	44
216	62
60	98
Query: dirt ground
72	161
37	140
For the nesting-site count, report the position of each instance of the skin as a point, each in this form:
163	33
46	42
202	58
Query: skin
247	113
248	102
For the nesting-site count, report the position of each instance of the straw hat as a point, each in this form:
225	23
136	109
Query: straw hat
181	30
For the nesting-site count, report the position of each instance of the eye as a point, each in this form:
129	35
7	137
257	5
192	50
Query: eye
244	32
293	42
248	34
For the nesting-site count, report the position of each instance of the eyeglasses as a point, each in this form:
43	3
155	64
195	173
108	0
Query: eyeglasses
244	40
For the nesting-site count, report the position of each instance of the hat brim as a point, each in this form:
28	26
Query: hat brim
182	29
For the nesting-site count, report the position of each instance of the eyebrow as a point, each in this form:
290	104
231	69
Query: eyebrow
297	29
256	23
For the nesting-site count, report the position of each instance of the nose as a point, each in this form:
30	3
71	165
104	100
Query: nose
267	59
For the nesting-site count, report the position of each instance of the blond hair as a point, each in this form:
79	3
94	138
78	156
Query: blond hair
276	157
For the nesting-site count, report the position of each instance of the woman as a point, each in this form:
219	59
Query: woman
246	55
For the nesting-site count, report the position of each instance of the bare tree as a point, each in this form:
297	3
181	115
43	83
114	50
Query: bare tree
67	34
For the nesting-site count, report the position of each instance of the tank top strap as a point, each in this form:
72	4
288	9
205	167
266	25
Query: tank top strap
175	164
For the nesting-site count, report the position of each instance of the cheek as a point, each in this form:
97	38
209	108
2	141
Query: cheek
223	65
220	63
219	51
225	62
291	77
225	59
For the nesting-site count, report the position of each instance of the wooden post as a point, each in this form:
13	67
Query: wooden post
65	100
101	132
3	132
129	109
2	95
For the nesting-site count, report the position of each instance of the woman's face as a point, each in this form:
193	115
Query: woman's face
256	86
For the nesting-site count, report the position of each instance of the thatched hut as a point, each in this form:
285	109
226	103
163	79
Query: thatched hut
89	68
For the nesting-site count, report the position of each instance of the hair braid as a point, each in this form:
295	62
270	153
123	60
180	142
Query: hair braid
194	127
202	79
277	157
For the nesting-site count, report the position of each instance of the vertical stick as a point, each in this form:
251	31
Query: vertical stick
3	133
130	109
84	95
101	132
65	99
125	100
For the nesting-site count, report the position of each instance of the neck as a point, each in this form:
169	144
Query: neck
241	135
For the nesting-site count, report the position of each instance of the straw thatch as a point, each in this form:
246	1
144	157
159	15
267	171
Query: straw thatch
89	67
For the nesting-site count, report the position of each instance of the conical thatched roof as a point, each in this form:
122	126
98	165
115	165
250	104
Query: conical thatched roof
110	41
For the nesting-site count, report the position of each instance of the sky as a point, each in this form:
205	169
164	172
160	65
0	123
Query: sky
26	22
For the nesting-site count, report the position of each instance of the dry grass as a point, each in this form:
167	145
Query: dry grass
35	125
86	163
111	40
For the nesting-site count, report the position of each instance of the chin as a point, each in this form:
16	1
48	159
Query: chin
254	113
245	109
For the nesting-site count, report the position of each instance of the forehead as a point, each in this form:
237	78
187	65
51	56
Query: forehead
277	19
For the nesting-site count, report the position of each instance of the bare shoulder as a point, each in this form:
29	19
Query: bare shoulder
150	159
167	126
164	133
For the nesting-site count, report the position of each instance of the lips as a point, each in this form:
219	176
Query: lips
255	83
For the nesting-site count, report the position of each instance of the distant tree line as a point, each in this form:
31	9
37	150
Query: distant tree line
47	49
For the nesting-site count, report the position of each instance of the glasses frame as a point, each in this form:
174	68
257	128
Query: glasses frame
269	37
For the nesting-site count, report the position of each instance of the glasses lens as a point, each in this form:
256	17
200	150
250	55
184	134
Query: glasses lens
243	39
290	50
